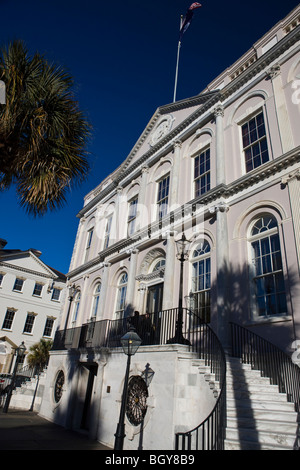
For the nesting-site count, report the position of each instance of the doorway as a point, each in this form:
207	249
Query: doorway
155	298
154	308
91	372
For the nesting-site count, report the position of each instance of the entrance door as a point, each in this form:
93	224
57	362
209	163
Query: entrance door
86	413
155	298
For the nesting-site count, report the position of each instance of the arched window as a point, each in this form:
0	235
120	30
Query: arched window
267	271
201	281
76	308
96	298
121	296
158	265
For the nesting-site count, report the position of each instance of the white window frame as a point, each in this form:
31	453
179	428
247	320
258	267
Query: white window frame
96	300
16	283
121	296
201	257
204	174
107	232
246	119
253	274
132	217
161	202
88	243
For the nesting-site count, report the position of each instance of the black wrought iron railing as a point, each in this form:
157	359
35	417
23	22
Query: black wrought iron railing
209	434
269	359
158	329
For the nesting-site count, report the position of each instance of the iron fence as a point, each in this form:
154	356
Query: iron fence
269	359
162	328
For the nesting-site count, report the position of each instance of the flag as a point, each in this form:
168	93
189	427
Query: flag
188	18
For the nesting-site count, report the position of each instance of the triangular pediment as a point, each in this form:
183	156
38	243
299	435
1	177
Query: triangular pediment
27	261
165	123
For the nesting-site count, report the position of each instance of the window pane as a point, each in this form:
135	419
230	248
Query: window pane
8	320
268	277
29	323
18	284
255	142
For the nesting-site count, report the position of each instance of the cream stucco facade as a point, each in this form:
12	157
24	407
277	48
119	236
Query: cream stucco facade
222	167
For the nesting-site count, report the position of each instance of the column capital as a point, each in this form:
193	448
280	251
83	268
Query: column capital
295	175
274	71
221	207
219	111
177	144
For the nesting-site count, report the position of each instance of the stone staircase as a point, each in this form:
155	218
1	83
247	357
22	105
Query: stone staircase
22	396
258	416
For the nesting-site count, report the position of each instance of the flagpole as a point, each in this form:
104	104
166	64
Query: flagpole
176	74
177	63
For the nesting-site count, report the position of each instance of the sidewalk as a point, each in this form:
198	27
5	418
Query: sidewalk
25	430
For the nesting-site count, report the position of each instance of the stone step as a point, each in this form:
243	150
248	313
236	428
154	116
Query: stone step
288	415
261	437
254	385
268	425
267	405
254	395
232	444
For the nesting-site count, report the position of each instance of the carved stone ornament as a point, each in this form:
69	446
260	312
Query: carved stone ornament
162	128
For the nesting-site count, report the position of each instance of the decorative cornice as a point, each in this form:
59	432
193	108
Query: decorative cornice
206	200
206	100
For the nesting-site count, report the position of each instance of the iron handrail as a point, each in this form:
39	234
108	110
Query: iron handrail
269	359
161	328
210	433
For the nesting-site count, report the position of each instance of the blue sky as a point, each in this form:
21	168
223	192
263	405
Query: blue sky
122	56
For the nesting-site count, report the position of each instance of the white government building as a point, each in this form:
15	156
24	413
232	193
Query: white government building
223	169
31	296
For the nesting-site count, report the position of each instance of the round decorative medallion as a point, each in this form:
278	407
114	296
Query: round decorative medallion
136	406
163	128
58	387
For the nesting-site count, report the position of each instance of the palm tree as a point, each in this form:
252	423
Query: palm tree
43	133
39	354
38	359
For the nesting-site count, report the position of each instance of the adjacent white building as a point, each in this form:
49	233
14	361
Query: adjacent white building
223	168
31	296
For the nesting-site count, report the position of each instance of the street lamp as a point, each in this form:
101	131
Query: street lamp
20	351
183	247
130	343
72	290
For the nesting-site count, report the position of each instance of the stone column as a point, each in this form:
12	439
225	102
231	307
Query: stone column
223	272
103	292
293	183
131	282
96	425
220	162
284	125
143	218
175	174
168	300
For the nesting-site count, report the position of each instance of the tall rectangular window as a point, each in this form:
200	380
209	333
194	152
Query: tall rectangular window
18	285
37	289
48	327
107	232
163	197
28	327
88	244
255	142
202	173
8	320
132	213
55	294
